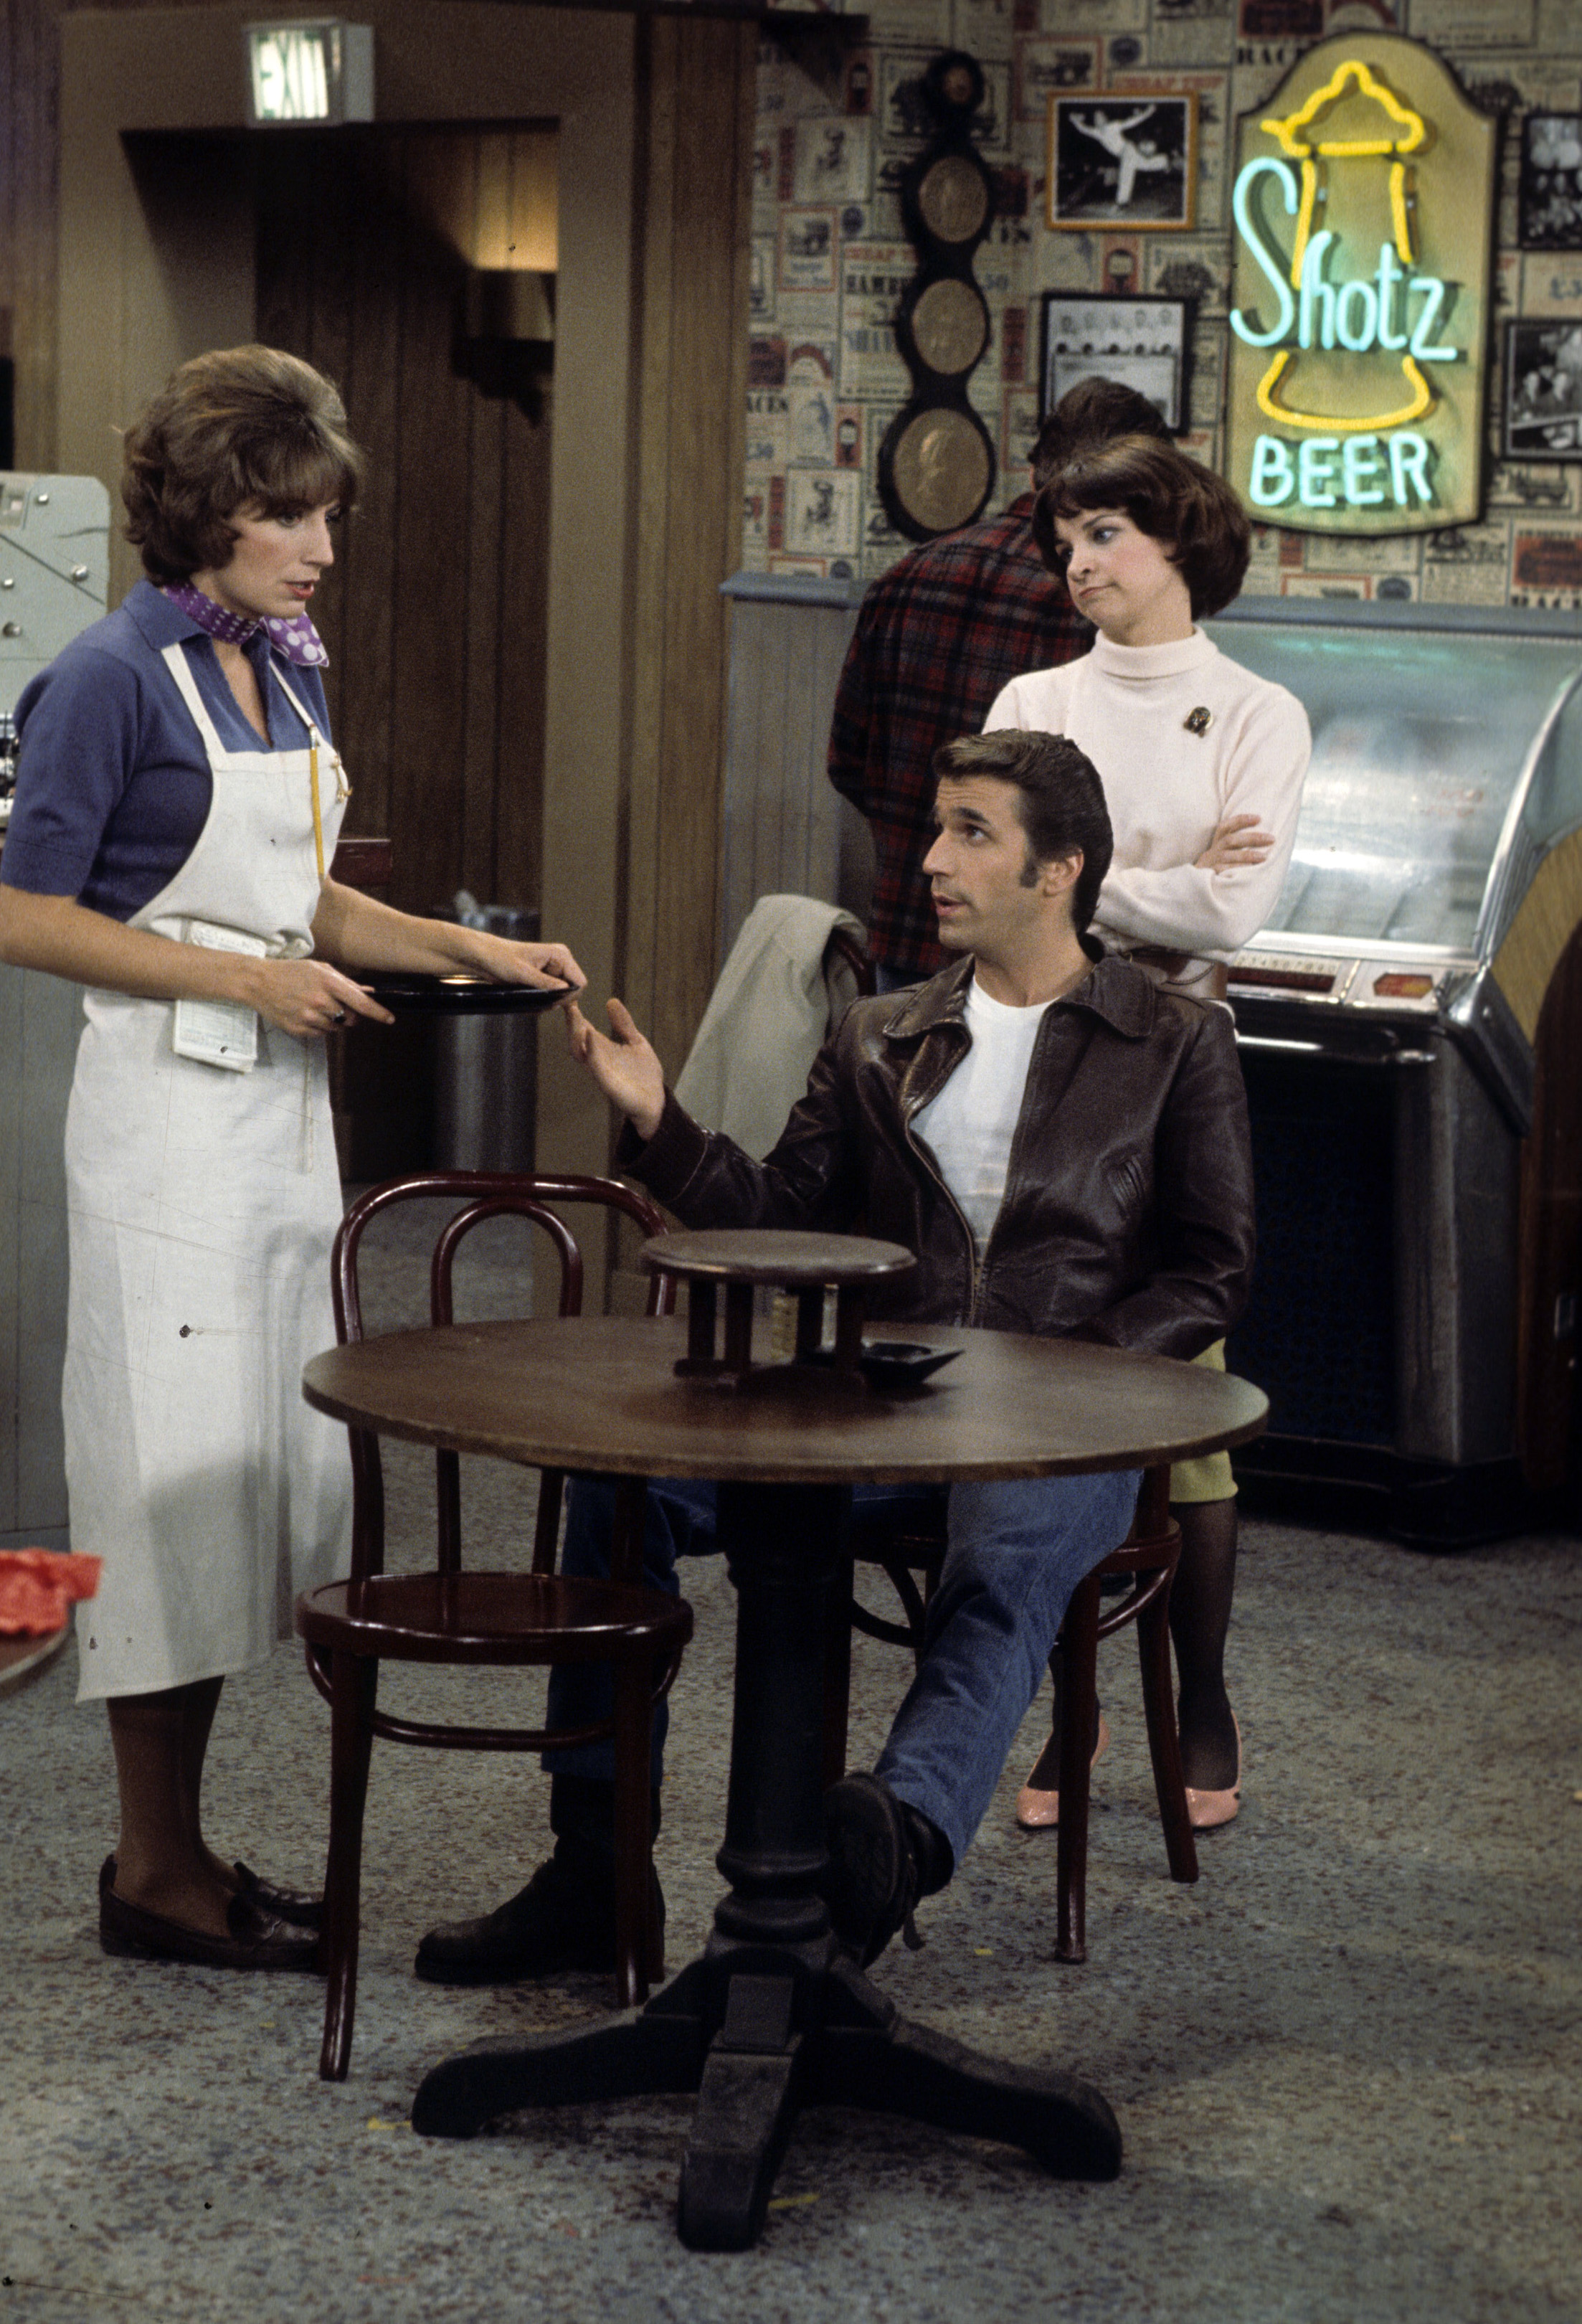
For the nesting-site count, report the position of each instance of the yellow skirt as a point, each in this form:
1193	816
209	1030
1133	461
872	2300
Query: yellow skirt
1209	1478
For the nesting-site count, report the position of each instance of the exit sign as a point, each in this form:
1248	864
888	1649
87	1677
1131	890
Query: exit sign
308	72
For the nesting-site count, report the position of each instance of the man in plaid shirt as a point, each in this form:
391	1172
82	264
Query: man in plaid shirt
937	639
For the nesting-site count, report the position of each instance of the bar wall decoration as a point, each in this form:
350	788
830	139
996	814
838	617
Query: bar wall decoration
1363	206
936	463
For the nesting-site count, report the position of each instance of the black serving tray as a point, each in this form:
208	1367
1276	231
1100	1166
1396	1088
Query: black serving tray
404	992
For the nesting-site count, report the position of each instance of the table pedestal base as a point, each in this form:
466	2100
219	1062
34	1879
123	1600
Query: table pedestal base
758	2036
774	2016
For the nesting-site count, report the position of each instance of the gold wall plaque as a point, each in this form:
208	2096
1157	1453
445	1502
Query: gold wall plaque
935	465
950	327
942	469
1363	206
952	199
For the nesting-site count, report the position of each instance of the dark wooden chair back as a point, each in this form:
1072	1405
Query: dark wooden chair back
484	1195
508	1619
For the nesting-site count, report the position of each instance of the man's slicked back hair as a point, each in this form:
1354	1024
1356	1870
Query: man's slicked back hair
1060	799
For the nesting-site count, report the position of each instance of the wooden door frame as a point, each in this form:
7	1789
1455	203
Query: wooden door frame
149	276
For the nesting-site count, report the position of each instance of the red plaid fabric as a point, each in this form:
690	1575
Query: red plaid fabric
937	639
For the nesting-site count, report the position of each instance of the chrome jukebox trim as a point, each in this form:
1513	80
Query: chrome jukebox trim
1482	1023
1512	865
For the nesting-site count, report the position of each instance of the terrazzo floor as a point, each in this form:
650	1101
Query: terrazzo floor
1344	2064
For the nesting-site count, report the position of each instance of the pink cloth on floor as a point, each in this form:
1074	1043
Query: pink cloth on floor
38	1586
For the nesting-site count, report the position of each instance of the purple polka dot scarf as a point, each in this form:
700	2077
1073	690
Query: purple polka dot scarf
297	639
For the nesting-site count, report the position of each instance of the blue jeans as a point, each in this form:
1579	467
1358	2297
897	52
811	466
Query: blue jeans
1015	1554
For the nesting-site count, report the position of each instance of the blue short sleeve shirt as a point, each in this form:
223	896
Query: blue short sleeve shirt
112	785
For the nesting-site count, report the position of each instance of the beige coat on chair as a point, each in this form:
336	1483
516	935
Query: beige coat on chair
766	1021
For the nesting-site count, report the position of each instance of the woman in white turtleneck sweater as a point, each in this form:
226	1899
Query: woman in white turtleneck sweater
1203	763
1203	766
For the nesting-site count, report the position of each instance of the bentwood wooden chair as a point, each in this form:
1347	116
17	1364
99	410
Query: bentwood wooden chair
449	1615
1145	1567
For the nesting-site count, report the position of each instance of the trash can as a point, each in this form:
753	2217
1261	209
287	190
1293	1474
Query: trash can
486	1066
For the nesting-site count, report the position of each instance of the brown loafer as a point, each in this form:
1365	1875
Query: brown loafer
255	1940
303	1910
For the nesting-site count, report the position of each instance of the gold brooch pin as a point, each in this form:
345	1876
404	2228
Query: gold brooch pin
1198	721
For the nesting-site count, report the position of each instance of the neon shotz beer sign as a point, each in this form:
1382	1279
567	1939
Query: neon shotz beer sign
1359	302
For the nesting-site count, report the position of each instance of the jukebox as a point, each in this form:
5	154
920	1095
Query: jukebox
1409	1024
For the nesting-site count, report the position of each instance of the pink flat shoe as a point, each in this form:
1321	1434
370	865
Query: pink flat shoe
1039	1811
1207	1810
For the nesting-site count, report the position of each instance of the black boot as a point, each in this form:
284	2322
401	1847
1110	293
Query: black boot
564	1919
884	1856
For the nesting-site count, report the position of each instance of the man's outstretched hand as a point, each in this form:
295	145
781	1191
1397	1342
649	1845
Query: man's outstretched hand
625	1067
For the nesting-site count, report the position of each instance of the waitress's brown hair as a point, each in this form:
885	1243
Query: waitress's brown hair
237	427
1176	500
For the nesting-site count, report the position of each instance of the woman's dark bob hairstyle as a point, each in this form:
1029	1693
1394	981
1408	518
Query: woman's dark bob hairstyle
1174	498
239	426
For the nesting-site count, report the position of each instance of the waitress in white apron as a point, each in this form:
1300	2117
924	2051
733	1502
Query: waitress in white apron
1202	764
178	800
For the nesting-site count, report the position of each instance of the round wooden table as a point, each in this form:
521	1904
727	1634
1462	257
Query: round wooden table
773	2015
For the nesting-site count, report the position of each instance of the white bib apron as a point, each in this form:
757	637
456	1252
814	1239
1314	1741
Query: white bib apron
201	1207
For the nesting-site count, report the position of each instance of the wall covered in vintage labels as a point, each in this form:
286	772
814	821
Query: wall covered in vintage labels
1484	480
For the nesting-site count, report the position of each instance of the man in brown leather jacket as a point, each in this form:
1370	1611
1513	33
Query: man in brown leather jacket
1065	1145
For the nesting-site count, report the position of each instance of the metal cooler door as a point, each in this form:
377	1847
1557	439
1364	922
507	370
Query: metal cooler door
1384	1310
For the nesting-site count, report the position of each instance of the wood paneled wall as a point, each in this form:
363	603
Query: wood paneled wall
28	82
655	126
692	399
1550	1272
30	85
785	827
435	617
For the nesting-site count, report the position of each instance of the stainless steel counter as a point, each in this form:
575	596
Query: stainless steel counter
54	558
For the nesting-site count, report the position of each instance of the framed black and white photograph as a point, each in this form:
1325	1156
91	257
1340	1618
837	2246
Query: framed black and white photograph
1143	342
1549	203
1543	390
1126	161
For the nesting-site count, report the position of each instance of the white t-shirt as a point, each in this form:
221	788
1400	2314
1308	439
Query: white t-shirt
1168	785
969	1127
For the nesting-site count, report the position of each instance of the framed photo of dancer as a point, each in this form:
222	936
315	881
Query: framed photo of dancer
1143	342
1128	160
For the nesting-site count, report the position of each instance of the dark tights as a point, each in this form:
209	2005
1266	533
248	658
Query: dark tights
1200	1616
162	1861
